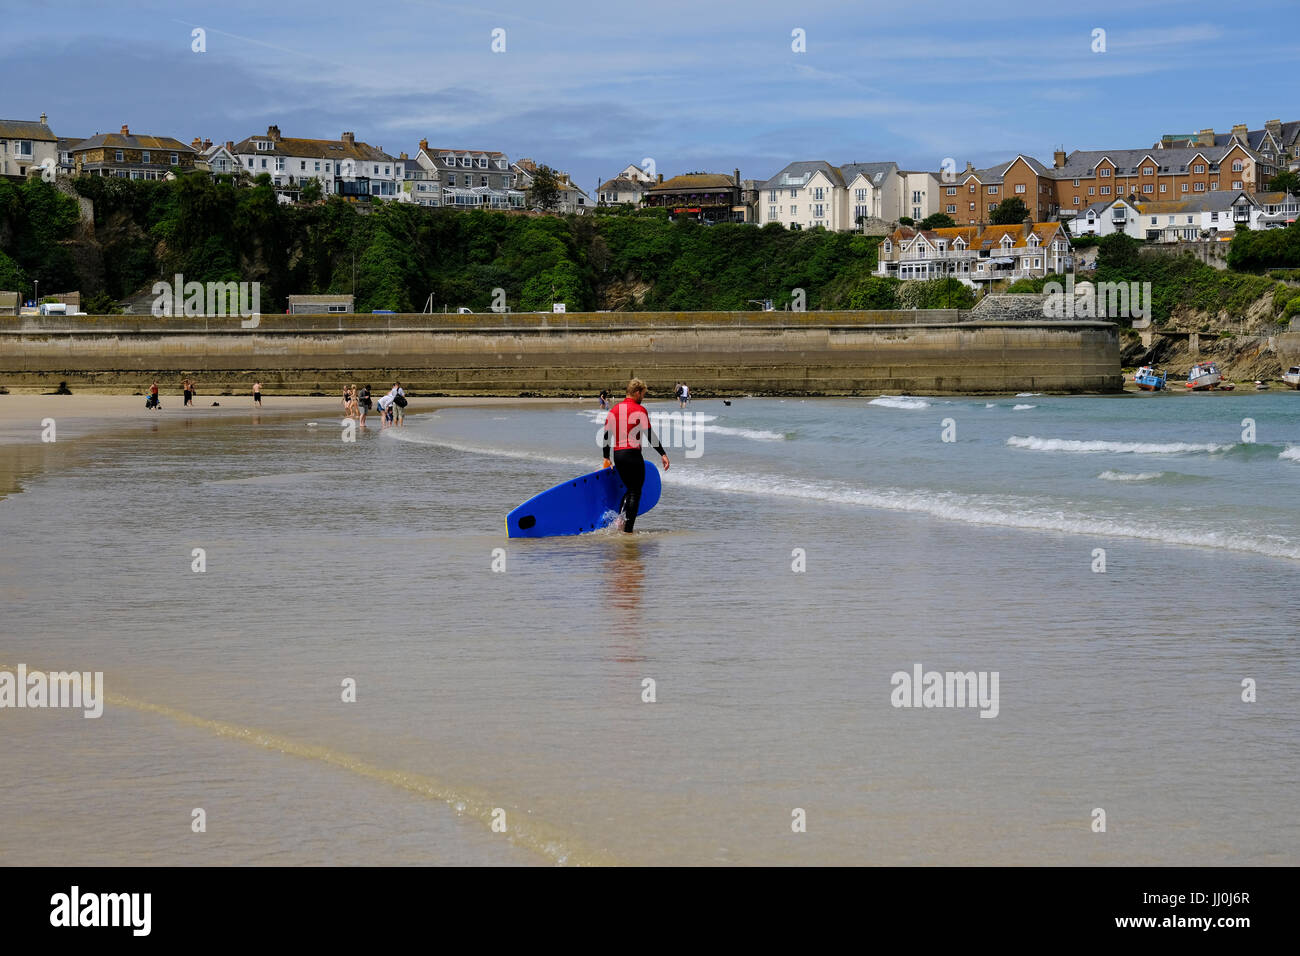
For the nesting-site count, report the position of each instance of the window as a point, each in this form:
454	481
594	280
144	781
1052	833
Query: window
327	167
1200	188
279	164
972	207
1105	190
951	209
1105	173
1189	220
1184	187
771	214
1076	200
860	195
771	195
1076	182
264	164
993	190
916	212
916	195
1198	168
951	191
1164	187
794	194
1092	190
819	210
1237	165
1214	217
250	162
1236	184
483	181
317	166
466	162
1147	187
972	187
118	156
794	211
1148	171
819	193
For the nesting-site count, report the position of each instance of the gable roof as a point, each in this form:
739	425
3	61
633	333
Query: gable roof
874	172
803	169
311	148
1082	164
621	183
132	141
26	129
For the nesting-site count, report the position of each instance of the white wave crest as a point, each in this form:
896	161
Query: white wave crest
1119	447
1021	408
1129	475
897	401
1290	453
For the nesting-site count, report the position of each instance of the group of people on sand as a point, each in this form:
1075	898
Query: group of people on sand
357	403
683	394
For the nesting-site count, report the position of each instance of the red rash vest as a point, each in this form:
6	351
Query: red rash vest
627	422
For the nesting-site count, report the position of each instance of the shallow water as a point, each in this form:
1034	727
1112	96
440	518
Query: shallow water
521	690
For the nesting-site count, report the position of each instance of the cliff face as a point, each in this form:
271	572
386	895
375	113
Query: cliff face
1244	343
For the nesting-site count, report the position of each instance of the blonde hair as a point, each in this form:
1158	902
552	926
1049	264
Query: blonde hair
634	386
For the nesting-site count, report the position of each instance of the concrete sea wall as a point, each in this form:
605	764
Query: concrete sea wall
810	353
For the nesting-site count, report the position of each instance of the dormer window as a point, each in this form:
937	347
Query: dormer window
265	144
1033	241
1006	242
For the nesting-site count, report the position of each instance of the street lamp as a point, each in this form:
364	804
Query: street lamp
36	294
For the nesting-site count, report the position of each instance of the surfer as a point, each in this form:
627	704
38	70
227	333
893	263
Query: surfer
604	400
627	422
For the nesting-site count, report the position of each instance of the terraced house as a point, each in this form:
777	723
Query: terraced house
972	194
1264	145
25	144
343	166
1151	175
467	178
814	193
126	155
976	254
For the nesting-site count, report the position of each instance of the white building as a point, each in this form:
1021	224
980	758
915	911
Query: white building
1210	215
815	193
25	144
343	166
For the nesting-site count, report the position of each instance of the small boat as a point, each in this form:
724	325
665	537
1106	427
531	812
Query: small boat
1227	386
1292	376
1203	376
1261	386
1148	379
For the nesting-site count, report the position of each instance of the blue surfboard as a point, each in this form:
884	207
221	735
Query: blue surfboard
586	503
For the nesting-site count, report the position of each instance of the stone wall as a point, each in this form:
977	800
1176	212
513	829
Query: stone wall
813	353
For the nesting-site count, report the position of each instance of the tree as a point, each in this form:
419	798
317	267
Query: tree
546	188
1117	258
1285	181
311	190
1010	212
905	220
940	220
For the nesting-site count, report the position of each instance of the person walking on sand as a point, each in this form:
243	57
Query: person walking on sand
604	400
257	394
625	425
188	388
677	394
153	400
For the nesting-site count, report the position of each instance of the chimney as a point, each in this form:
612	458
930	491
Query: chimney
424	144
196	144
1029	224
737	177
126	130
44	120
970	167
207	144
1205	137
661	177
230	145
399	155
349	138
1058	159
273	133
1274	127
1239	133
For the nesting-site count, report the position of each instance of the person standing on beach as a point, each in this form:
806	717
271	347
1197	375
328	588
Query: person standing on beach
384	407
399	404
604	400
625	425
257	394
188	388
363	403
154	401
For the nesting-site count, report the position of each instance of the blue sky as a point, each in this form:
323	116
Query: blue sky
591	86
